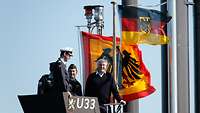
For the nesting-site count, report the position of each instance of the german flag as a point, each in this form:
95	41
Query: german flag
143	26
134	79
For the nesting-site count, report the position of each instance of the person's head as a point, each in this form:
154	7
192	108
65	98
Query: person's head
72	70
102	65
66	53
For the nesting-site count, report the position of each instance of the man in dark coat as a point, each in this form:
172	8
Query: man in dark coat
45	84
59	72
58	79
101	84
76	89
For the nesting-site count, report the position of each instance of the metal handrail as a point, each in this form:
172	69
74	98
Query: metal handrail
114	107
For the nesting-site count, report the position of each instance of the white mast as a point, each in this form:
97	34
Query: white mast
179	65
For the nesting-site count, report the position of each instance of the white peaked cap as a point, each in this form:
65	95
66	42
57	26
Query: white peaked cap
67	49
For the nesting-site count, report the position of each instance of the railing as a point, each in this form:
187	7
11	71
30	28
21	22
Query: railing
114	108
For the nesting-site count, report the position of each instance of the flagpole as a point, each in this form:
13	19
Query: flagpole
179	62
133	106
197	54
114	43
164	70
80	54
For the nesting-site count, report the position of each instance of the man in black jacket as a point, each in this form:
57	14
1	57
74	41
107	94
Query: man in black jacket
59	71
76	89
101	84
58	79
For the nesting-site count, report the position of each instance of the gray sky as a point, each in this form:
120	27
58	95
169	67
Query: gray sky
33	31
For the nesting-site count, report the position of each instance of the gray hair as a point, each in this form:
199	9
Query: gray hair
101	61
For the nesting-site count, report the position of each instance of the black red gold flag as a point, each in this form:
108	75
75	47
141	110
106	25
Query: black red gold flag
143	26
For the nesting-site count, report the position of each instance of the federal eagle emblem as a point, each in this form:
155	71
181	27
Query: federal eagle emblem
130	66
145	24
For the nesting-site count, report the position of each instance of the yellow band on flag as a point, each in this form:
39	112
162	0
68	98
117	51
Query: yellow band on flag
130	38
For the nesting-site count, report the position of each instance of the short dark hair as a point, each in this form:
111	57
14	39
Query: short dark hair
72	66
62	53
